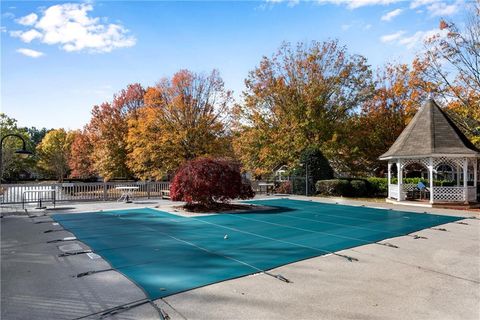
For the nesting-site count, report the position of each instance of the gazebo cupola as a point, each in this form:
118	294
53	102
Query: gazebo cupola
432	147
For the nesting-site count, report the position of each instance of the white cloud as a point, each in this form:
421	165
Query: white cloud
419	37
291	3
27	20
351	4
438	8
354	4
26	36
3	29
8	15
30	53
391	14
443	9
392	37
413	41
70	26
418	3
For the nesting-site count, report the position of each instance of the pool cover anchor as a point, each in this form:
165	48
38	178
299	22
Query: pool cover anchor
53	230
386	244
74	253
277	276
87	273
416	236
163	315
439	229
349	258
61	240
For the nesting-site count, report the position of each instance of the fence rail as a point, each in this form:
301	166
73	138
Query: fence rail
96	191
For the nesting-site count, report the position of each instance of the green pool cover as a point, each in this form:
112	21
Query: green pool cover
166	254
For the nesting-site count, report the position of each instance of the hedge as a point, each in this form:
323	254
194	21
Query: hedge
334	187
368	187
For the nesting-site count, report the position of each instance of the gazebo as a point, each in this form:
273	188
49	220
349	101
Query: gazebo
433	148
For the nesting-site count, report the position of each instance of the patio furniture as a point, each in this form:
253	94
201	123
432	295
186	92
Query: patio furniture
127	193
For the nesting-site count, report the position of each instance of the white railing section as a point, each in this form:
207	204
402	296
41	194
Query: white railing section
393	191
472	194
449	194
23	193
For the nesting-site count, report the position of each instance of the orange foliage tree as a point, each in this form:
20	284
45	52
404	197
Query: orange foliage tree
452	60
108	131
80	159
399	91
183	118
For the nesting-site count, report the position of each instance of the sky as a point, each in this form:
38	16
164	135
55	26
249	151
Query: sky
59	59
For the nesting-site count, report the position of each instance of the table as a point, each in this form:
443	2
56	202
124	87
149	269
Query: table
127	193
39	192
268	186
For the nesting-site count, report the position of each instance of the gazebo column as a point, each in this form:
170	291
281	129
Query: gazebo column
475	172
475	176
389	177
430	178
400	179
458	175
465	180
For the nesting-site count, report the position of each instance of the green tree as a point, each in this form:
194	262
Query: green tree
13	165
296	99
53	152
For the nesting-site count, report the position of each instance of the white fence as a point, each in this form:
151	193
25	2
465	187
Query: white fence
24	193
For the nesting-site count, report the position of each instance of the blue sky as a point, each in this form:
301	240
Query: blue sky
58	59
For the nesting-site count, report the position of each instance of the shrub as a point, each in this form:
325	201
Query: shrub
377	186
206	181
334	187
358	188
285	187
318	166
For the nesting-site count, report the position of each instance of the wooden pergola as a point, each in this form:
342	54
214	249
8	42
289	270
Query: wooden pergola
433	143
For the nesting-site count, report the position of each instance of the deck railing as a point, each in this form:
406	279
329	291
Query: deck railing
91	191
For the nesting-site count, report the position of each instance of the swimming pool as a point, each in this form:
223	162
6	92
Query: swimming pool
165	254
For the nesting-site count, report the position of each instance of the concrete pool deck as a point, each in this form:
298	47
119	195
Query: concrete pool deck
433	278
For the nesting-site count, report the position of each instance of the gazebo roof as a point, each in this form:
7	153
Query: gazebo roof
430	133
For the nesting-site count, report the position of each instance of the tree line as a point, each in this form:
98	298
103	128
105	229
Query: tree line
313	95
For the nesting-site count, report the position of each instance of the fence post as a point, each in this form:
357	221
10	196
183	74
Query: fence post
148	189
105	191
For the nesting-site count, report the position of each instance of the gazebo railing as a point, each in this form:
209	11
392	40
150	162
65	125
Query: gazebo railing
393	191
440	194
472	194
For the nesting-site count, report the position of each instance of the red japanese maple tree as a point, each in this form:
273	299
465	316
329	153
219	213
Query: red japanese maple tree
207	181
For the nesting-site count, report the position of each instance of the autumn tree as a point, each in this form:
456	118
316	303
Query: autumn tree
130	100
297	98
53	152
399	91
184	117
108	131
80	159
452	60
